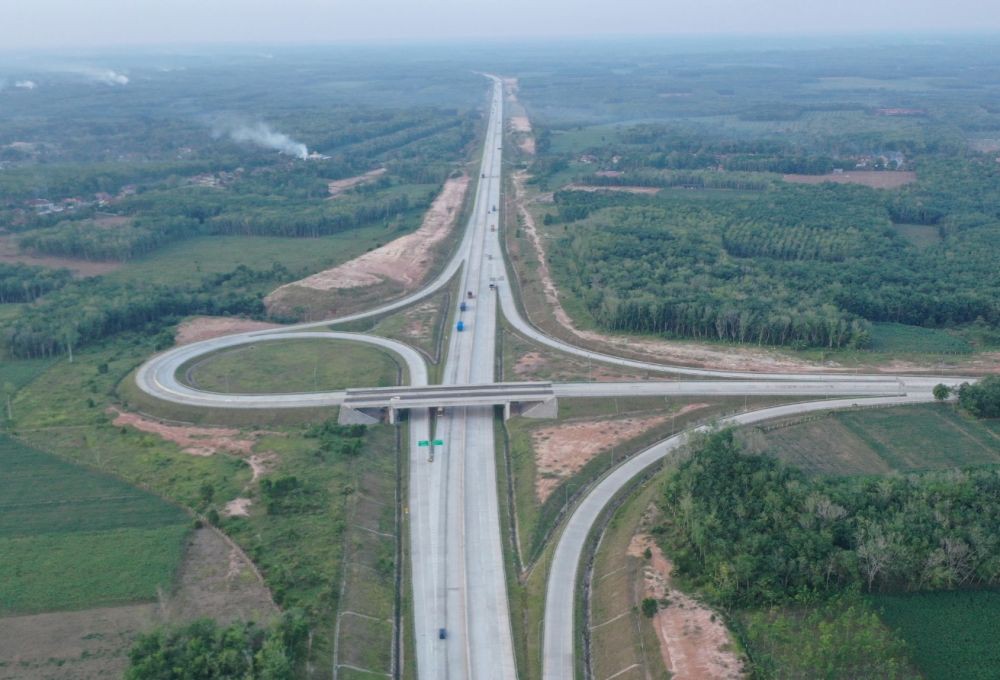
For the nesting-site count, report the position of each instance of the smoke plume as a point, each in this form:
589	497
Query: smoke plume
105	76
262	135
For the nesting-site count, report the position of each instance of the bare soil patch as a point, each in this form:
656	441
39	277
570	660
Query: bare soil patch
216	580
648	191
405	261
888	179
206	327
694	643
339	186
199	441
520	124
81	268
561	450
238	507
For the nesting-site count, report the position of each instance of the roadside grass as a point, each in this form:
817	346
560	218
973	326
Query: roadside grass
422	325
526	360
292	366
878	441
365	619
621	638
72	538
949	635
134	399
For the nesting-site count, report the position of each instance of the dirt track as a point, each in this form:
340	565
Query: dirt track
887	179
694	642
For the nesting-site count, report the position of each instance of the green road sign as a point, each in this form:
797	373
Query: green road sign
423	442
438	442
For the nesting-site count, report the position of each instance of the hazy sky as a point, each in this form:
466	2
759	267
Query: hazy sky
96	23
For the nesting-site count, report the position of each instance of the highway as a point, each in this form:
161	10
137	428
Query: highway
458	578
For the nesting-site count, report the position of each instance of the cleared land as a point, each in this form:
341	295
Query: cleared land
404	261
339	186
292	366
949	634
879	441
9	252
72	538
200	256
887	179
649	191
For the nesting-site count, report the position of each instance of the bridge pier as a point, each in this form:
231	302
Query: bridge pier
548	408
359	416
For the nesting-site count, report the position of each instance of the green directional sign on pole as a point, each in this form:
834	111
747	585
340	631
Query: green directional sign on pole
438	442
423	442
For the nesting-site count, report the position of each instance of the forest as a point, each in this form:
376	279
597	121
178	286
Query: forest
749	530
804	266
90	310
25	283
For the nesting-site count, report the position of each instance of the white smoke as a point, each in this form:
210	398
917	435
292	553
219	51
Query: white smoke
262	135
26	84
105	76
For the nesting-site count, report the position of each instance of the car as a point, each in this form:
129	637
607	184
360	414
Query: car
442	634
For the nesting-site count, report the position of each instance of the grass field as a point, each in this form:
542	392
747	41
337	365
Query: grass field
16	373
72	538
193	258
950	635
894	337
622	640
879	441
292	366
920	235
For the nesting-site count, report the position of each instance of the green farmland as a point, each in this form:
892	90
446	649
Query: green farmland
71	538
950	635
903	439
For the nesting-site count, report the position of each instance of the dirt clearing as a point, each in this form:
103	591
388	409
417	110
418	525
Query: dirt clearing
199	441
207	327
405	260
81	268
561	450
889	179
647	191
216	580
694	643
339	186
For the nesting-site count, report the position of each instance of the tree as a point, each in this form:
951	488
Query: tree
981	399
941	391
649	607
8	392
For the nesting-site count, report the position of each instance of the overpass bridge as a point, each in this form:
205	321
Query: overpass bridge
373	405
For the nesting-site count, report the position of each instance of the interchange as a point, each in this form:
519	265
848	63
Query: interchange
460	605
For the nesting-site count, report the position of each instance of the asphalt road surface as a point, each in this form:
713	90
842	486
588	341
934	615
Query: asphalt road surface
458	577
